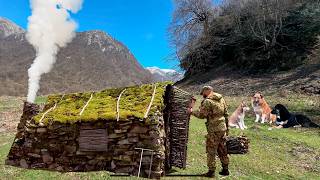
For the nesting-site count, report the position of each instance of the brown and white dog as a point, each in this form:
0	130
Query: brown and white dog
237	118
262	109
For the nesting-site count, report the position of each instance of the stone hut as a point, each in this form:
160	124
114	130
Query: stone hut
140	131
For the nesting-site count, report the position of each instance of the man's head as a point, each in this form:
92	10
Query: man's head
206	91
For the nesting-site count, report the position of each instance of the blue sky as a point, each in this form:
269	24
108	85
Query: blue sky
139	24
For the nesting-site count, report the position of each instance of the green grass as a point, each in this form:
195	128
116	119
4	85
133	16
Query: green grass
134	102
270	154
276	154
8	103
41	100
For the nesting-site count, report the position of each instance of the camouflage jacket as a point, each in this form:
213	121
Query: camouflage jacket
214	109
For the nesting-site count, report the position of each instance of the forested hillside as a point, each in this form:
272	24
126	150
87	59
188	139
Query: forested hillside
255	36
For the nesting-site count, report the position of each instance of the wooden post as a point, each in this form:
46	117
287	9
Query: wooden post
140	162
49	110
150	168
142	150
149	107
85	106
118	104
44	114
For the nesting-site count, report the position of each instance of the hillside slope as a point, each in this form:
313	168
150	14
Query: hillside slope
92	61
305	79
253	36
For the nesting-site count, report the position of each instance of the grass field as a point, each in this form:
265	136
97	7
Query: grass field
275	154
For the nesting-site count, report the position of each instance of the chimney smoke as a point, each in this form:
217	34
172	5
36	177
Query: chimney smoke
49	28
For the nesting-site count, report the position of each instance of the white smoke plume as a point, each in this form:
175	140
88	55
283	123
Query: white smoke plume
49	28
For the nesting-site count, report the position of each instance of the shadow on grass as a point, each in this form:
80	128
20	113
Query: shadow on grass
184	175
167	175
170	174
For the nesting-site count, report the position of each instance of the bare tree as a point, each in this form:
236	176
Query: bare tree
244	33
190	21
264	18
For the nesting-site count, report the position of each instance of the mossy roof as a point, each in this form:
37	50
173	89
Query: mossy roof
134	102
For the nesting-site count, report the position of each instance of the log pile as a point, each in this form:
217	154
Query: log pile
237	145
177	126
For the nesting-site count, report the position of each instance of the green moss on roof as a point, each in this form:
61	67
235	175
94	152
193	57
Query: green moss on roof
133	103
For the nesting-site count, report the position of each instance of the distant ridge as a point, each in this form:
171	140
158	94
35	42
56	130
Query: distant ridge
8	28
92	61
165	74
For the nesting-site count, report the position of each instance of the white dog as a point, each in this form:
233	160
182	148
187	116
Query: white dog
237	118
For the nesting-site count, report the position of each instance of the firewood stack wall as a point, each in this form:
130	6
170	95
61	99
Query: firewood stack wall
176	126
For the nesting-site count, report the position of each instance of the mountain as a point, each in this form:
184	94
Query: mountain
92	61
165	74
8	28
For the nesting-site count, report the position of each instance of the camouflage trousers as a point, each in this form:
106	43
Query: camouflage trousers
216	146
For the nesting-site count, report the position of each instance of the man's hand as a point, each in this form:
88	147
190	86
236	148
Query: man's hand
279	127
193	101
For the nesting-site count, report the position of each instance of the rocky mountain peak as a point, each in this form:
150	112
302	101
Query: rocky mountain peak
165	74
8	28
103	40
92	61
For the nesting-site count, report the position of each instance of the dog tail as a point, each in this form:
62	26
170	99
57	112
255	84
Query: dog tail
314	125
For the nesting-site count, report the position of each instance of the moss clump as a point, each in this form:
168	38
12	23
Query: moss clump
133	103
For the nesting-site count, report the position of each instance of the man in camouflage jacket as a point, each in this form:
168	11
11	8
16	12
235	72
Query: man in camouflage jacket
214	109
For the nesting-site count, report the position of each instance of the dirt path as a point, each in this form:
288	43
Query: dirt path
10	112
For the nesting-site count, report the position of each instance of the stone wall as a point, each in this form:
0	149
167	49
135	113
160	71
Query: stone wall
56	146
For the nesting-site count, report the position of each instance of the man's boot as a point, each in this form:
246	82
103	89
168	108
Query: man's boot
225	171
210	173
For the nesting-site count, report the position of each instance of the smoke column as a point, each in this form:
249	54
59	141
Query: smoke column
49	28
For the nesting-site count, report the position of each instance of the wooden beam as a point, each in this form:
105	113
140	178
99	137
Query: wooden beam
149	107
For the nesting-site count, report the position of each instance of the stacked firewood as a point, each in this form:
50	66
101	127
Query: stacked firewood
237	145
177	126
